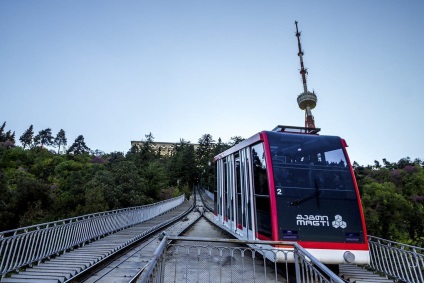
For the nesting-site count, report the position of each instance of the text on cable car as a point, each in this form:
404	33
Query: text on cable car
312	220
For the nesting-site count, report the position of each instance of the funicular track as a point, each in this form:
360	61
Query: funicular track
346	272
117	257
130	263
127	264
125	255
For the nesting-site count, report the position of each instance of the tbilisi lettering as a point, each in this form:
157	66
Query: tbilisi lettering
312	220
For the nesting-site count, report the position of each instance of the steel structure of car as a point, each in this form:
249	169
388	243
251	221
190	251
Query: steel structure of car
291	184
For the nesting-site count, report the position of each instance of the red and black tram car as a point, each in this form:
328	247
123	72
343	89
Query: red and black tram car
293	186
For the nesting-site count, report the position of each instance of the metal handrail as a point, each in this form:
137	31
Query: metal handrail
32	244
308	268
203	195
400	261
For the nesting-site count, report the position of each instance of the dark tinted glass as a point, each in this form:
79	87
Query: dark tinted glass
259	170
314	188
263	214
304	162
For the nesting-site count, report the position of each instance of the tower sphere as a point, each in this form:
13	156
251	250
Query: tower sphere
308	99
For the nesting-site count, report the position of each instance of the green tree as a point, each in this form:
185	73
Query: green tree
7	212
36	141
149	140
30	197
204	155
71	177
44	166
235	140
156	179
385	208
402	163
10	136
79	146
144	154
182	165
129	187
389	165
392	198
2	134
60	140
94	196
26	138
204	152
219	147
7	137
147	150
104	180
44	137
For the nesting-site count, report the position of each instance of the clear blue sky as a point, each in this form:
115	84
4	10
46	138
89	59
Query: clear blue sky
114	71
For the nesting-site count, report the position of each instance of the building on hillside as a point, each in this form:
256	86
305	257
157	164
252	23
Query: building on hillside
165	148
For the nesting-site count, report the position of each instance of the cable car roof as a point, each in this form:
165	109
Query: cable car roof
294	129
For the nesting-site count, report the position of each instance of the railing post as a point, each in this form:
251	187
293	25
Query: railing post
25	246
420	269
401	261
297	264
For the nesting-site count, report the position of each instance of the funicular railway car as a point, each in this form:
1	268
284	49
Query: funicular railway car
291	184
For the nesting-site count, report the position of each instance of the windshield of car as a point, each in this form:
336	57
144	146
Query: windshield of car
308	165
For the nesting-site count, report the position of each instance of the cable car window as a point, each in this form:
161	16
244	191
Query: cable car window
259	170
216	184
263	214
238	189
313	180
304	164
224	191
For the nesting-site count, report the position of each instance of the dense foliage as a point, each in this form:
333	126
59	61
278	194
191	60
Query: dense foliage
38	184
393	199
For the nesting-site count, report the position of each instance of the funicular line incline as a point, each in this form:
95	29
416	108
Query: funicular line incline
128	265
347	272
104	261
73	263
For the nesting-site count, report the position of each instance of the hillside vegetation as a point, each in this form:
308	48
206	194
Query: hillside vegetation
393	199
41	182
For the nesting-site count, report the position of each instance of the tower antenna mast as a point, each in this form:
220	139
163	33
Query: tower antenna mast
306	100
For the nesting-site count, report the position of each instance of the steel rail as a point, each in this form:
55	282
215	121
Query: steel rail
149	235
122	261
308	269
29	245
400	261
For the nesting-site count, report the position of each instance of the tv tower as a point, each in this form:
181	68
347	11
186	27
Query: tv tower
306	100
